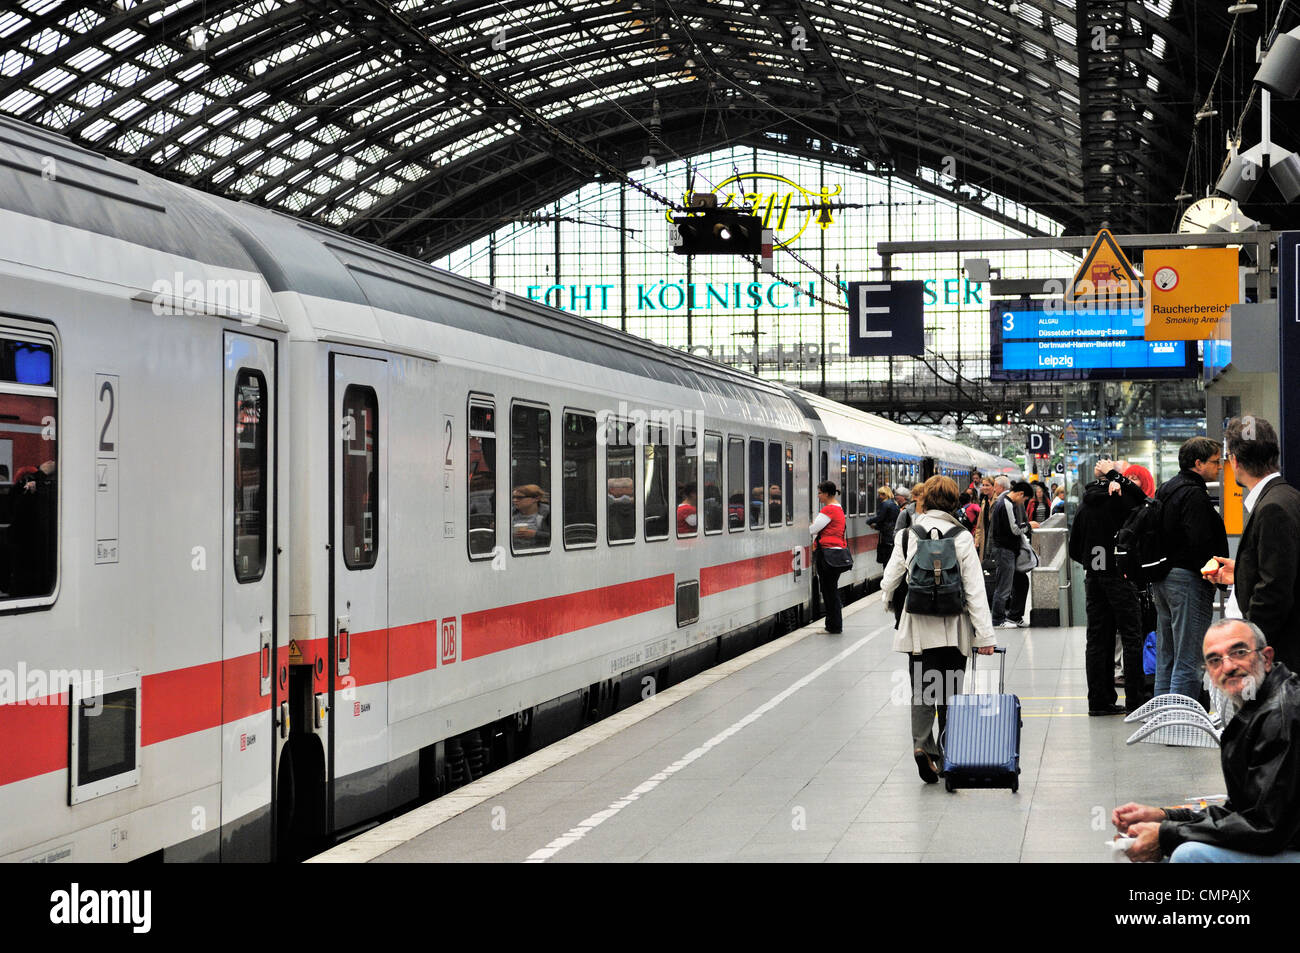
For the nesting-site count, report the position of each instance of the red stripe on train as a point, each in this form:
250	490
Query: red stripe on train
744	572
35	738
864	544
495	630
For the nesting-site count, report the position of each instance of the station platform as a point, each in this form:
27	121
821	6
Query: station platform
801	751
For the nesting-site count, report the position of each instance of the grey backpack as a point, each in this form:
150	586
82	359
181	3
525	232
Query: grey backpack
934	584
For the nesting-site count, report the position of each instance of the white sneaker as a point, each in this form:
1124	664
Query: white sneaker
1022	624
1007	624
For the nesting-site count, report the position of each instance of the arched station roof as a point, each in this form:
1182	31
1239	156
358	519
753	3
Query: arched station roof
421	126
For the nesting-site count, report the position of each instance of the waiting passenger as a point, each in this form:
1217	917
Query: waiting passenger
1009	532
938	646
884	520
1266	573
1260	756
774	505
687	515
1191	532
831	553
1111	601
530	518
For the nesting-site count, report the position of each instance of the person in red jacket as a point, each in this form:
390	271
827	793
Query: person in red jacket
827	531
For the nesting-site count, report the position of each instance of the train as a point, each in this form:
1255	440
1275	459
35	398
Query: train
296	531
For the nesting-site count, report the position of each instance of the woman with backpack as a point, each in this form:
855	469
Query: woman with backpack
945	616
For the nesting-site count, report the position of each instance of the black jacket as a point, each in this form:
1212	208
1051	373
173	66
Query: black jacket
1260	752
1100	516
1192	529
1268	569
1006	533
883	521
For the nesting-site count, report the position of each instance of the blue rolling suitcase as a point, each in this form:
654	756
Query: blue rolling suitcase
981	745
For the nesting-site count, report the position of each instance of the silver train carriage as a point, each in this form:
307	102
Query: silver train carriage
295	531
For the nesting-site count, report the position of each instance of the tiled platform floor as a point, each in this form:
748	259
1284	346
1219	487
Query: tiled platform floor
825	775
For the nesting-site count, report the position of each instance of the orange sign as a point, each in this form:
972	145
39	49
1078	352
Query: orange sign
1191	290
1106	277
1234	500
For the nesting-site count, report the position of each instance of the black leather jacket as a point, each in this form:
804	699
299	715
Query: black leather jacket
1261	766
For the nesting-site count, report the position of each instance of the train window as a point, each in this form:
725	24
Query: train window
29	502
871	484
863	506
360	477
620	481
250	475
848	496
482	459
530	479
712	495
844	490
656	483
825	467
105	735
735	483
579	480
789	484
775	477
686	464
758	490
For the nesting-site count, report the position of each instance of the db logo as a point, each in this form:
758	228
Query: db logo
356	709
448	652
243	742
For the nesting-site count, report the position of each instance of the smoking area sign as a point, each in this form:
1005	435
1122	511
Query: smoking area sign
1190	292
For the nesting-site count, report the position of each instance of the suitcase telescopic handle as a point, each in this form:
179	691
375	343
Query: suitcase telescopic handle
1002	673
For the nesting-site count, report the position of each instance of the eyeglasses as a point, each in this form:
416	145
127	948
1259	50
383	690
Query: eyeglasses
1237	655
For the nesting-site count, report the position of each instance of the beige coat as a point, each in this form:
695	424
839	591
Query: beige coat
973	628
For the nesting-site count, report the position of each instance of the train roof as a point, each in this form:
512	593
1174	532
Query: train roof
56	180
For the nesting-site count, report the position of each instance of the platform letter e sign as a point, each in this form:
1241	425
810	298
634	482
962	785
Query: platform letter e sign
448	640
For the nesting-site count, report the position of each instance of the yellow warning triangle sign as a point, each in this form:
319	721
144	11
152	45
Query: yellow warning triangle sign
1106	277
295	653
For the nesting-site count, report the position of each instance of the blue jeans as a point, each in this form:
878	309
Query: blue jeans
1194	853
1184	608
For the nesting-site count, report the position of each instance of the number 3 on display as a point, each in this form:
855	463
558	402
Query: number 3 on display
1008	322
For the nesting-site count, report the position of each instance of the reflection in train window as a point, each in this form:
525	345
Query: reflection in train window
579	480
711	498
620	481
687	484
482	469
736	488
360	430
29	506
775	468
251	407
871	484
863	505
844	490
530	478
789	484
656	483
849	496
757	492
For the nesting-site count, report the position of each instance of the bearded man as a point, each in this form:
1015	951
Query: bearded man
1260	750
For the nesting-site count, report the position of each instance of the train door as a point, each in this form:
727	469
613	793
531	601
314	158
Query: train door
250	691
359	588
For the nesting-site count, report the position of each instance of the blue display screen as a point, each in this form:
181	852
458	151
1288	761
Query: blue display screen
1030	342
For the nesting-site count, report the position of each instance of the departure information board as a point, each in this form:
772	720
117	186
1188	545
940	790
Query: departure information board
1032	342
